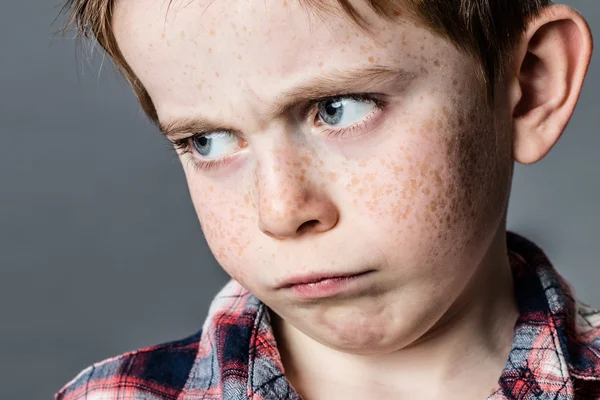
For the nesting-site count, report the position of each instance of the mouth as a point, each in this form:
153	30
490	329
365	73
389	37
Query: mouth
324	285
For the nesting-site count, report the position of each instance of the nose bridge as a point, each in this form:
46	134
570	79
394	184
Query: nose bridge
281	180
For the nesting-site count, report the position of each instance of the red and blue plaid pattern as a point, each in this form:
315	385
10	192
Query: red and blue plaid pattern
555	353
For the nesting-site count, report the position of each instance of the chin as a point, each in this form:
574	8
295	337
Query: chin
361	335
366	344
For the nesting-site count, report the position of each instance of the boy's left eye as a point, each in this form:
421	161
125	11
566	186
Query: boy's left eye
344	111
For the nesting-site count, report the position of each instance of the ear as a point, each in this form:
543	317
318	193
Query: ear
548	69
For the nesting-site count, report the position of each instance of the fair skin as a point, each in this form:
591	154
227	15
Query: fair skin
411	186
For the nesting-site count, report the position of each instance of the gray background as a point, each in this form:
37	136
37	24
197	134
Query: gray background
100	250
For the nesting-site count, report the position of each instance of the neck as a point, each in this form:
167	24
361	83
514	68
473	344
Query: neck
470	343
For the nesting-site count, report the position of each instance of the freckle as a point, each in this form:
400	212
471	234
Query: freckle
307	161
182	35
239	56
285	3
434	206
436	63
321	64
199	86
446	111
210	49
217	74
362	164
245	27
333	177
212	32
163	36
371	60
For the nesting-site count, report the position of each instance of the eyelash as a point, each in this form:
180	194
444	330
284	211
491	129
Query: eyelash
184	145
377	100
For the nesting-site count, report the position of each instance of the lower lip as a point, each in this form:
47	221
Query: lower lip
328	287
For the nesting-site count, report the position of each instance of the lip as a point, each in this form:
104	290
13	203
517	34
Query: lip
316	286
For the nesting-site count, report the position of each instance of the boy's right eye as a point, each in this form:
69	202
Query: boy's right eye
215	145
210	149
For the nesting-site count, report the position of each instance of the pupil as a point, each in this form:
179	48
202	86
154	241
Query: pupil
202	145
332	108
332	111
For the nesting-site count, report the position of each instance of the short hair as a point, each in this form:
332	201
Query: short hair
484	29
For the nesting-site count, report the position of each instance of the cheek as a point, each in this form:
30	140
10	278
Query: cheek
406	197
440	187
226	221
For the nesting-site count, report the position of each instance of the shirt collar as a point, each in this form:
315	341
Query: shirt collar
550	348
237	356
556	339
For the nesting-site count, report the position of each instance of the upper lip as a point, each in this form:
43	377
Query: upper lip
318	277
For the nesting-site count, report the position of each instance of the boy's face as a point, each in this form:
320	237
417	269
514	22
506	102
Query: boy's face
409	180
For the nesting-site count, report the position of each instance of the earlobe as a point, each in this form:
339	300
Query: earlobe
555	54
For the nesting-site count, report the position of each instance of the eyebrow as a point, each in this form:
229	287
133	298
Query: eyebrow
331	84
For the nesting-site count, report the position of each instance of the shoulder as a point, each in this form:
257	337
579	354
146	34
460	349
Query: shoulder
157	372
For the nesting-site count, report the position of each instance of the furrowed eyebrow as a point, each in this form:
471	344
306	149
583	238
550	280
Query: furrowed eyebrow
339	83
183	127
332	84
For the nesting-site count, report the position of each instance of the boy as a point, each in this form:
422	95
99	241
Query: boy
359	200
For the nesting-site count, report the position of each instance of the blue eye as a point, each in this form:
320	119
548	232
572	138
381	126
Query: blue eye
202	145
344	111
215	145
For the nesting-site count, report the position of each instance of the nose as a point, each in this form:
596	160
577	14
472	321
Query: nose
291	201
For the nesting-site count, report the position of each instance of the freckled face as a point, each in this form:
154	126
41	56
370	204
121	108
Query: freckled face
410	182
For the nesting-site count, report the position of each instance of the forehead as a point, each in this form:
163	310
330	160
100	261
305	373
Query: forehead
189	50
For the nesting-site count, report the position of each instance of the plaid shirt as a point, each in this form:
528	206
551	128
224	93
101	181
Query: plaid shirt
555	353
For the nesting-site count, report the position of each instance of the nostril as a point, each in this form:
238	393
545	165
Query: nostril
307	226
